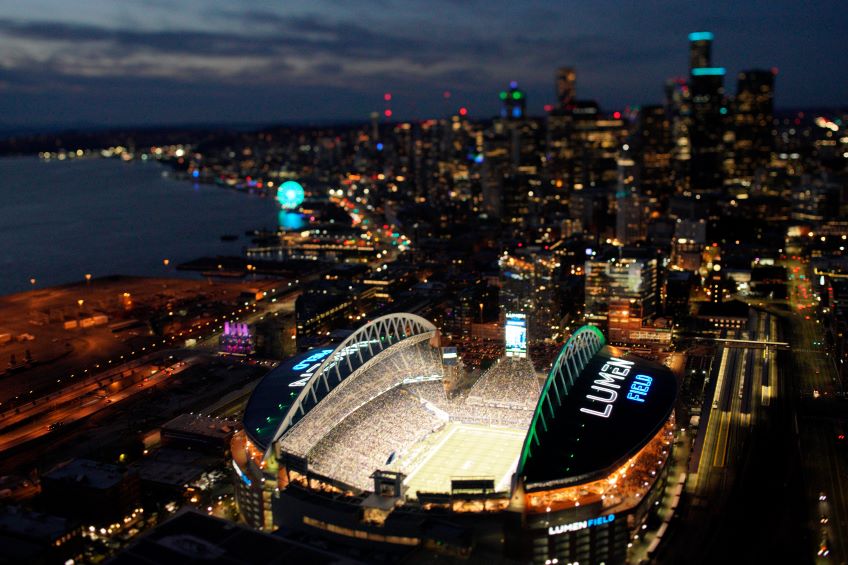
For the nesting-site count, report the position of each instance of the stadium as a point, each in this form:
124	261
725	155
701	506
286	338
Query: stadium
372	443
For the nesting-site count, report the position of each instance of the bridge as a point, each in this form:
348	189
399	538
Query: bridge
749	343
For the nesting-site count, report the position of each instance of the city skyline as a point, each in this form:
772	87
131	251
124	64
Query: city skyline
102	65
360	282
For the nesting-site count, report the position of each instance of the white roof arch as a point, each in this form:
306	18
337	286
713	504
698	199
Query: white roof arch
350	357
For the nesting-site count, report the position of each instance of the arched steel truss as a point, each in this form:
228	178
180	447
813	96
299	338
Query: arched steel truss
351	357
572	359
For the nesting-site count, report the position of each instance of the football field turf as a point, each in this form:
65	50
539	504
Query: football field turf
466	451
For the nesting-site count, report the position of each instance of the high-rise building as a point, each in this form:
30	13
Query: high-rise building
621	277
707	130
596	140
566	88
679	106
753	117
515	198
631	207
700	49
655	151
688	244
631	218
716	284
514	102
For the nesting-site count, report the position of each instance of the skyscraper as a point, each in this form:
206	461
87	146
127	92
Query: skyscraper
707	131
565	87
621	277
514	102
700	49
632	211
655	150
753	116
679	107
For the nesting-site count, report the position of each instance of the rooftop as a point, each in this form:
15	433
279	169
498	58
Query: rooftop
87	472
730	309
273	395
617	403
17	522
192	537
198	424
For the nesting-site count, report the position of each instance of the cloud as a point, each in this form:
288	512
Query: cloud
346	54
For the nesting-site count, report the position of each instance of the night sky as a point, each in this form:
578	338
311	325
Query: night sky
102	62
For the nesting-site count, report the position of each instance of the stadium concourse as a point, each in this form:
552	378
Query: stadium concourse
364	442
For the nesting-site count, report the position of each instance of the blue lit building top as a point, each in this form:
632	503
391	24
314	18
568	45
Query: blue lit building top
708	71
701	36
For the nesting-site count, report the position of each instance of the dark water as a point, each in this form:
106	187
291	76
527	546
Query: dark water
62	219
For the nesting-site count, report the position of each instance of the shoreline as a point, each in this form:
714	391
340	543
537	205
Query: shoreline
115	221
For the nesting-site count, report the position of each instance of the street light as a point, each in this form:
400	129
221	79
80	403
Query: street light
87	278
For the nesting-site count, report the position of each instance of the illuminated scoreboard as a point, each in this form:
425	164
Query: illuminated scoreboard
449	356
515	330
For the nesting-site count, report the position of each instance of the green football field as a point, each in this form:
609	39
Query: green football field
467	450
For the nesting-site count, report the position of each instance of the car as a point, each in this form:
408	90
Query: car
55	425
822	497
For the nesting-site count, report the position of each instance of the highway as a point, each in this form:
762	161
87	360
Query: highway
819	411
819	414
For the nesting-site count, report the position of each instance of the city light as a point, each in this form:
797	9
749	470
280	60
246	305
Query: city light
701	36
708	71
290	195
559	321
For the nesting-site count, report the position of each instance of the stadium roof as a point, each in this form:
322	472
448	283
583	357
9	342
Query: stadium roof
288	384
587	426
275	393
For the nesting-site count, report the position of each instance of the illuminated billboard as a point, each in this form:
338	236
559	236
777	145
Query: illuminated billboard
515	331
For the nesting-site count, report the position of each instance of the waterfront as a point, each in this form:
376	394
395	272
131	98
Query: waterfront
112	218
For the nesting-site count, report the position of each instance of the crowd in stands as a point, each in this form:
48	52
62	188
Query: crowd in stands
416	359
461	410
366	439
369	416
509	383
